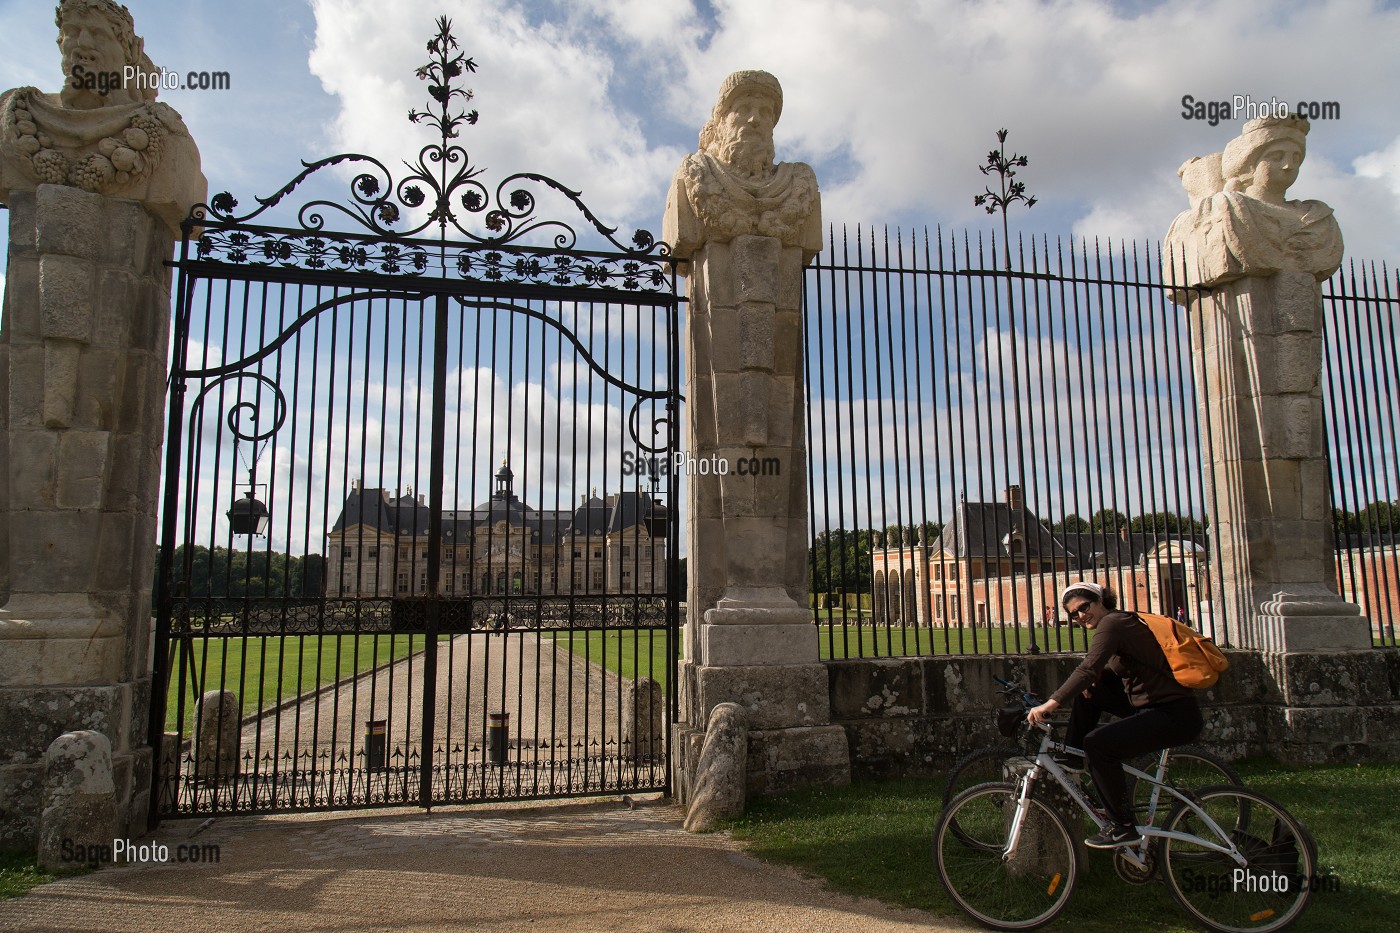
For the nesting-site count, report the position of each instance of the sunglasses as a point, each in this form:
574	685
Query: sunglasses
1078	610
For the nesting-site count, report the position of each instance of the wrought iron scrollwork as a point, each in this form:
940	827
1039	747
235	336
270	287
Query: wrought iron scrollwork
442	185
243	408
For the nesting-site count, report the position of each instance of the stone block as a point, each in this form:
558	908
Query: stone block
724	336
787	344
66	298
1324	734
718	784
755	268
80	812
54	552
789	280
119	304
61	366
24	229
34	716
755	338
26	386
70	222
21	800
1296	301
780	760
116	547
643	720
22	300
33	466
216	744
716	274
753	561
82	469
760	644
879	689
772	696
1335	679
102	379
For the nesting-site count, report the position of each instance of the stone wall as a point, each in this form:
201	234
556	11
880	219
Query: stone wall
916	716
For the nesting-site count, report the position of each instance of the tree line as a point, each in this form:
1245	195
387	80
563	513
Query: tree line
1380	517
225	573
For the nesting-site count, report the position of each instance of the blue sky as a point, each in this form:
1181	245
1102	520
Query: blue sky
894	102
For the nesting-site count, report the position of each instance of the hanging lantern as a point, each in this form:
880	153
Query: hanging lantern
248	516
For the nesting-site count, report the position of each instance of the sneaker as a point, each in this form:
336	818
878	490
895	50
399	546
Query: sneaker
1113	837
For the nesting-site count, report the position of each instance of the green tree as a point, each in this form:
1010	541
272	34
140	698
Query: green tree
1073	524
1380	517
1166	523
1108	520
840	561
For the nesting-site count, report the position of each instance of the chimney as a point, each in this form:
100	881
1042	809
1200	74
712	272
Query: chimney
420	499
1013	498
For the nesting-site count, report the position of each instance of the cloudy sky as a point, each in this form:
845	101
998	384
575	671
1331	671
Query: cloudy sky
894	102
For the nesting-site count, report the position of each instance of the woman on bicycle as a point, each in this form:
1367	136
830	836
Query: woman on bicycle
1126	674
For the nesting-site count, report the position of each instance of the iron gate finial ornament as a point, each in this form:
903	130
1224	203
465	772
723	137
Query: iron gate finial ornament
441	189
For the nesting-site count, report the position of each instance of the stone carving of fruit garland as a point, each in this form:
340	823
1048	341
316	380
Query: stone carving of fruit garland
118	162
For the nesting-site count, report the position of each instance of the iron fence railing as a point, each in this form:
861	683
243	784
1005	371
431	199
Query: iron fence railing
979	438
1361	390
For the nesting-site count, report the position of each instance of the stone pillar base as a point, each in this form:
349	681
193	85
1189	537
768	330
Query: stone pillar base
804	756
35	716
1333	706
1307	619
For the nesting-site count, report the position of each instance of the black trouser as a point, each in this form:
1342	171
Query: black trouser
1139	730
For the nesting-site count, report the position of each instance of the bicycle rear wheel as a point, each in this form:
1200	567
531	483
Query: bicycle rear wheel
1268	892
1189	768
1022	892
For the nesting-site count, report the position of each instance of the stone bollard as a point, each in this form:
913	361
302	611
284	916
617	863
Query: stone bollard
1049	792
718	789
644	719
79	818
217	738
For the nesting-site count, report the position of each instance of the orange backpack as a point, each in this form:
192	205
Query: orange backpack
1194	659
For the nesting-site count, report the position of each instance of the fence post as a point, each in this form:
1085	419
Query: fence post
746	228
96	186
1254	261
1257	350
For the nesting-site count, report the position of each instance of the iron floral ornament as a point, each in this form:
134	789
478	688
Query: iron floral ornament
442	180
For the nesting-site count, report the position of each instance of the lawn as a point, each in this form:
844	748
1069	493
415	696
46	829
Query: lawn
624	652
19	871
277	668
836	640
873	839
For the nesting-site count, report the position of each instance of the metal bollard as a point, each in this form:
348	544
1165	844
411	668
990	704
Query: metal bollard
498	737
376	744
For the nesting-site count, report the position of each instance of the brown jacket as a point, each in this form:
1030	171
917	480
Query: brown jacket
1125	645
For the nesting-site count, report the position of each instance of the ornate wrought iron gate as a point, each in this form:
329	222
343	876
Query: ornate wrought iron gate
419	541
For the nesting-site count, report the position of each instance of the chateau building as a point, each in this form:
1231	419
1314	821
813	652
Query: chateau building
997	562
613	545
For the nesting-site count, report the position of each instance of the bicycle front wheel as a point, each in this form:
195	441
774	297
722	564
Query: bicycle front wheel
1020	890
1268	892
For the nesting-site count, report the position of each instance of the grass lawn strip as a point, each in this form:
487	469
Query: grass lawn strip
874	839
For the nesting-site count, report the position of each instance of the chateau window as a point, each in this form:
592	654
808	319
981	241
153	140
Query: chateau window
347	551
372	553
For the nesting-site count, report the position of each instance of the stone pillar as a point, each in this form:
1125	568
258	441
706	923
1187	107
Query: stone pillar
96	186
217	738
747	228
1257	334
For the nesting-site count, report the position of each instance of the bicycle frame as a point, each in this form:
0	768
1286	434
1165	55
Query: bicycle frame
1045	764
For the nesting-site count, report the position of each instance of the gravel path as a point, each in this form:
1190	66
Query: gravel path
595	866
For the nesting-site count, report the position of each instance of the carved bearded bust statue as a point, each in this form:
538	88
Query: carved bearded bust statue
1240	223
731	186
109	136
